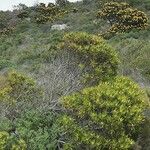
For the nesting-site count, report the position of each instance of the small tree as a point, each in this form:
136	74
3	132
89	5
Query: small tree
107	116
122	17
48	13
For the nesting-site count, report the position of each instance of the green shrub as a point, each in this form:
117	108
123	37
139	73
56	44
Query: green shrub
133	48
62	2
23	15
11	142
6	31
143	3
94	55
48	13
4	19
107	116
5	63
17	93
39	130
144	141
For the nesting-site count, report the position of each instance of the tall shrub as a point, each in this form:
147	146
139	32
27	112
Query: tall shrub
98	60
122	17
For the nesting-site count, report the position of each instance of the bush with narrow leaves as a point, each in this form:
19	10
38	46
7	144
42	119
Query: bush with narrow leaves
122	17
17	93
94	55
107	116
10	142
48	13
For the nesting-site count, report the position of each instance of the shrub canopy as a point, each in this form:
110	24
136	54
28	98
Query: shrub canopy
99	60
18	92
48	13
123	17
107	116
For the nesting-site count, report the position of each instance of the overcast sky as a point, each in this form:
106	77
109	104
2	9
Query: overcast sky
8	4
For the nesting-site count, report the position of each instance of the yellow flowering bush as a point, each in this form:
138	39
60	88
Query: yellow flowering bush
122	17
107	116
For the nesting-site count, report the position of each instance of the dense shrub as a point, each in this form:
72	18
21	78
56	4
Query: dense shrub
4	19
122	17
10	142
134	52
23	15
143	3
5	63
33	130
24	123
107	116
94	55
17	93
6	31
39	130
48	13
61	2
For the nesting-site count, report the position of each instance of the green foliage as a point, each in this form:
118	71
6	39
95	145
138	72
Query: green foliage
23	15
11	142
134	53
39	129
32	47
123	17
33	130
17	93
107	116
92	52
48	14
3	139
5	63
7	31
29	127
145	135
4	19
61	2
143	3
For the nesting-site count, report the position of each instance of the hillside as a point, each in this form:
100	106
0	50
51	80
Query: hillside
73	79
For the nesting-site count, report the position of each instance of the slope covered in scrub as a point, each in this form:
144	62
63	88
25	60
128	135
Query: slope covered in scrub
86	86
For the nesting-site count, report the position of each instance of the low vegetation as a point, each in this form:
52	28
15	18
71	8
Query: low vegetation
83	87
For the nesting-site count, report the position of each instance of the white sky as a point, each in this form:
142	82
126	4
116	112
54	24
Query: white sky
8	4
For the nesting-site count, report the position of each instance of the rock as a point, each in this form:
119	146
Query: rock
28	19
59	27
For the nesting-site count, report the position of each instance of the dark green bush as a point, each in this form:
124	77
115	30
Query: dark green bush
23	15
33	130
38	129
5	63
